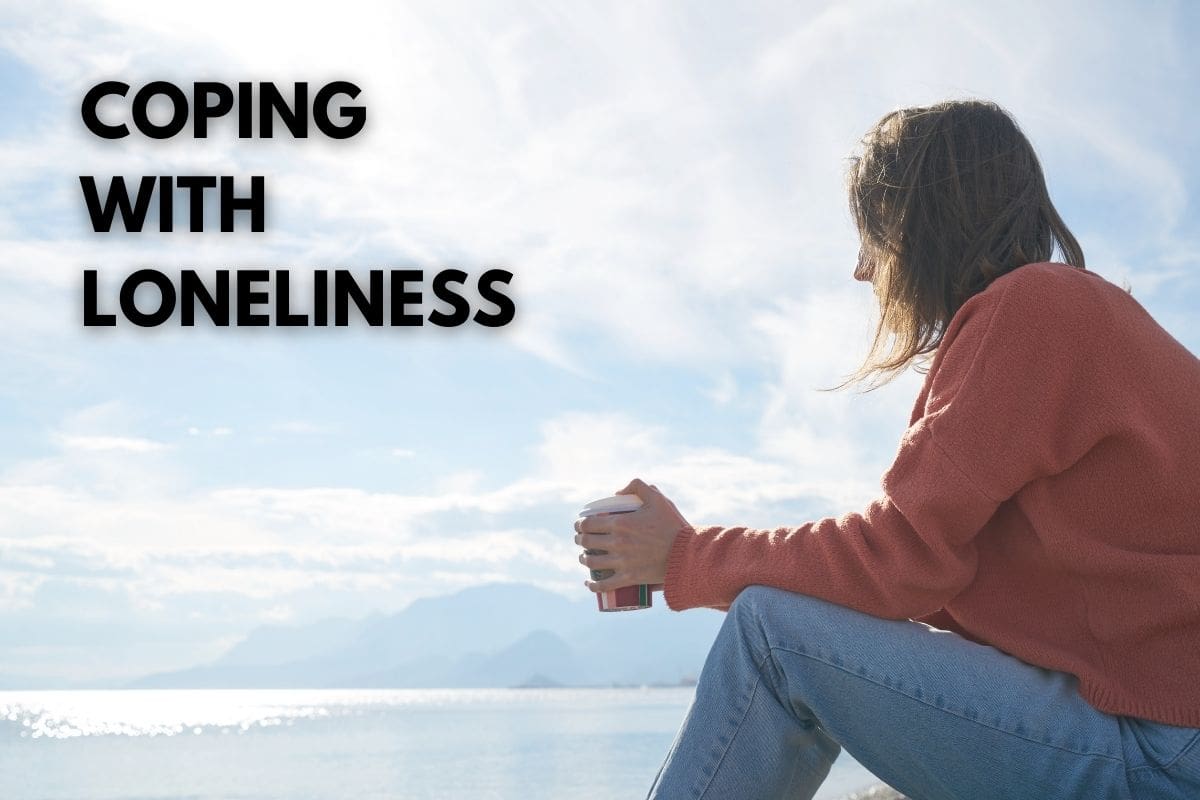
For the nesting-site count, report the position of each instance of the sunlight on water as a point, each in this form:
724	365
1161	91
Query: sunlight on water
587	744
154	712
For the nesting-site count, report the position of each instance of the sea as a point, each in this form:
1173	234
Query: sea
275	744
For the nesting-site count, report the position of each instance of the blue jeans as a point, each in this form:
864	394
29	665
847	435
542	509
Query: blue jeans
791	679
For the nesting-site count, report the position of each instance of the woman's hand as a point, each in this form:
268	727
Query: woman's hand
636	543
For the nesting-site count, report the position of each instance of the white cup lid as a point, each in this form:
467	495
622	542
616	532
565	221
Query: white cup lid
616	504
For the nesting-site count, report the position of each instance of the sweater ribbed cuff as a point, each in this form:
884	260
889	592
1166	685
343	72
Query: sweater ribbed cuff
675	593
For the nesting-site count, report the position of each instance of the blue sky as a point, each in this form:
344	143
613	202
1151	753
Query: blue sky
665	181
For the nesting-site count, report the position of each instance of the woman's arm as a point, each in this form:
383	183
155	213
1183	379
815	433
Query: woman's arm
1012	395
908	554
904	557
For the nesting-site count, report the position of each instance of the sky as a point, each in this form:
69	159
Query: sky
664	180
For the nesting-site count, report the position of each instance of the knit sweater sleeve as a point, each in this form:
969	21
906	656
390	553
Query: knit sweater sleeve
995	412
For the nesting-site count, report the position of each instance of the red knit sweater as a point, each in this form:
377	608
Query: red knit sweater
1045	500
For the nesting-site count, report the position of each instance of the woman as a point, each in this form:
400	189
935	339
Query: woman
1018	616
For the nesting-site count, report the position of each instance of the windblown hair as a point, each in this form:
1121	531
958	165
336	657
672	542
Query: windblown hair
946	199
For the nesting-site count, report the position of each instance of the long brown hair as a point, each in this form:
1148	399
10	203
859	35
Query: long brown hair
946	199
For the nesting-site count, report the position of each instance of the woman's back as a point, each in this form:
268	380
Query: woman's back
1057	394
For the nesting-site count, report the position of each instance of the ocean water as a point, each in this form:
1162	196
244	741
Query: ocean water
583	744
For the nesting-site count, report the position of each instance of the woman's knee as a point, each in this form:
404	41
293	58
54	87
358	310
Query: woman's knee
792	619
766	600
771	607
758	597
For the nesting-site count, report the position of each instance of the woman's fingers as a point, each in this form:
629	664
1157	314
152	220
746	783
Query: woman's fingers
597	540
597	560
637	543
609	583
636	486
603	523
645	492
602	563
607	571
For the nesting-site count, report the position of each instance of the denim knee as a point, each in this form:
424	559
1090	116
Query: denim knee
761	597
777	619
778	611
755	605
768	618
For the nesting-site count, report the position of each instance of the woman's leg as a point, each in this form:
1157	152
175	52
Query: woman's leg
790	678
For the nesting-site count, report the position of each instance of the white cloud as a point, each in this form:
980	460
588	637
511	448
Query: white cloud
652	212
17	590
218	432
103	443
666	185
268	542
724	391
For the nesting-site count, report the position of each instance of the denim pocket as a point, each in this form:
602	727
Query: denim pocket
1163	745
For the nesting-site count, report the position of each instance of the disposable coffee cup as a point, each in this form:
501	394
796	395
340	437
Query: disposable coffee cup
625	598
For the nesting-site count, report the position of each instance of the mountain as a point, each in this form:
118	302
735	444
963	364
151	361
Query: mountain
485	636
476	619
280	644
655	645
537	655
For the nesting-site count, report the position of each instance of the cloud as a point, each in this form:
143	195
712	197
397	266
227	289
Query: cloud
666	186
724	391
178	540
218	432
103	443
649	213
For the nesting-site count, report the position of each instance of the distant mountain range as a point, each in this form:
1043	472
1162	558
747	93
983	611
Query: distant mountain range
494	635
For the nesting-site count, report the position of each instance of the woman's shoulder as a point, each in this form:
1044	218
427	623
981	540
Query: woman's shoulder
1054	312
1047	295
1052	282
1039	314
